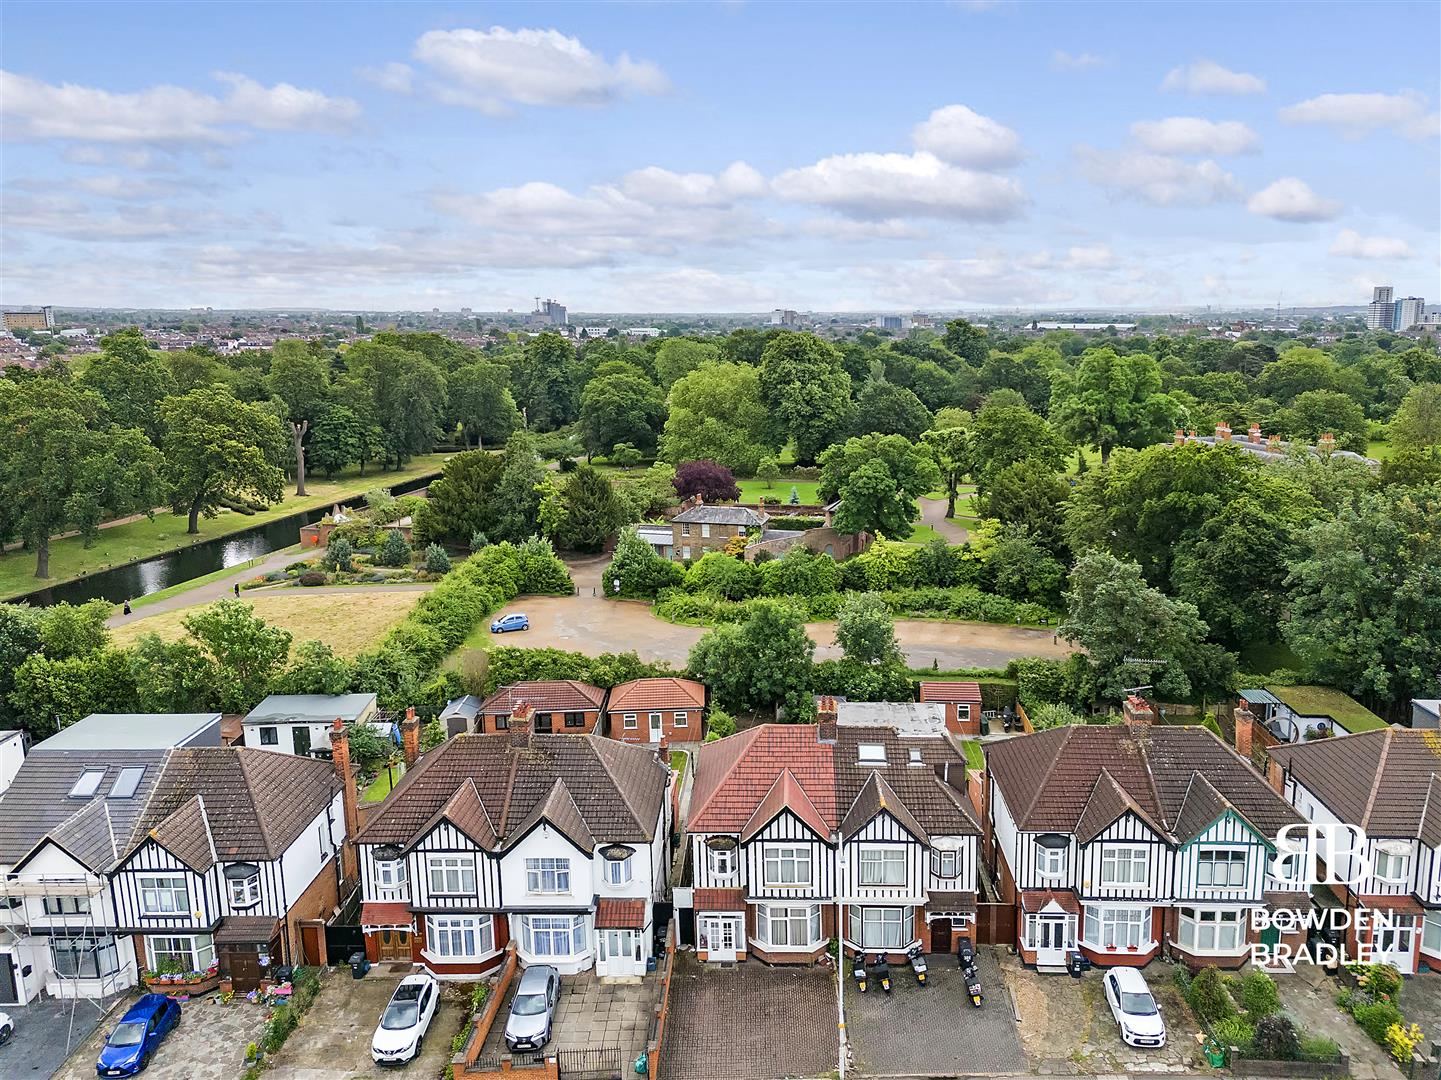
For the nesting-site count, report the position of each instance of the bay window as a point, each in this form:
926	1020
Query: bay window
789	927
390	873
721	862
244	891
1431	933
1221	869
891	928
1392	867
84	957
1205	930
619	871
945	864
459	937
451	875
1117	928
787	866
1124	865
547	875
883	866
553	935
1050	862
164	894
193	952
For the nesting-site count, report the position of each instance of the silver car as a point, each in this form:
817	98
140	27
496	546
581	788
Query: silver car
533	1008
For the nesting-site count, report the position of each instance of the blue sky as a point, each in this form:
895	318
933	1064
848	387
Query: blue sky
729	157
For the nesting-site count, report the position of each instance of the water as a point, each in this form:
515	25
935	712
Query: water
160	572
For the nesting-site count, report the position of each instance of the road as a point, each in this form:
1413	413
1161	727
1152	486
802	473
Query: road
933	513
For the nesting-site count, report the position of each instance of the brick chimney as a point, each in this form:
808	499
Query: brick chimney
1326	444
1254	434
410	737
1180	436
1223	432
520	724
340	758
1245	726
1137	711
826	722
1273	443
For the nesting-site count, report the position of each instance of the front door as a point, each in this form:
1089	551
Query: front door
941	936
721	937
1394	942
245	973
618	953
655	725
395	944
1052	938
301	735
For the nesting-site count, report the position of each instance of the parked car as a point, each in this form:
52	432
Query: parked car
533	1009
406	1020
507	623
7	1028
138	1035
1135	1009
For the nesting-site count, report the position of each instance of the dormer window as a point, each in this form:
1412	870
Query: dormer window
1051	856
389	867
88	784
243	882
872	753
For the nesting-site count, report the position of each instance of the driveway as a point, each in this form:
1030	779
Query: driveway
933	1030
599	1026
749	1022
208	1044
47	1029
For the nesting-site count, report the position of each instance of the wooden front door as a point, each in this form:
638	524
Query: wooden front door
395	945
245	971
941	936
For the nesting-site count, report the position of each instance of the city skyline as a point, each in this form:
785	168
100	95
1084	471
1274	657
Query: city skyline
728	158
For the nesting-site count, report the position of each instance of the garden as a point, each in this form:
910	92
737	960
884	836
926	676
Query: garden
1243	1020
1373	1001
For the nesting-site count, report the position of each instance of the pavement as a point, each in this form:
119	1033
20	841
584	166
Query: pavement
933	513
609	1019
749	1021
1309	995
933	1030
219	589
45	1034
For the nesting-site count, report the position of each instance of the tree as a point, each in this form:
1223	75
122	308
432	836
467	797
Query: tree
625	455
52	694
19	639
300	378
171	676
437	560
315	669
866	631
394	549
1324	412
218	450
768	471
950	449
967	341
715	413
1113	401
591	511
402	393
247	653
1027	372
877	479
710	480
678	357
334	440
640	570
886	409
131	379
1300	369
74	629
481	403
545	379
807	392
517	498
460	502
1022	568
763	663
1417	424
1002	435
1030	495
620	406
339	556
62	468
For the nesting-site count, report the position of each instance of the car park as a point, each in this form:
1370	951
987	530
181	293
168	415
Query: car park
506	623
405	1021
1134	1007
532	1011
129	1048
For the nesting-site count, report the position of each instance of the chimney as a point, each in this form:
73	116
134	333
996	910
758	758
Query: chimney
1273	443
1137	711
1180	436
340	757
699	499
826	722
1223	432
1245	725
1255	433
410	737
1326	444
520	724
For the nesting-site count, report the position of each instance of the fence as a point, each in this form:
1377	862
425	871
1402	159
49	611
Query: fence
662	1011
595	1063
995	923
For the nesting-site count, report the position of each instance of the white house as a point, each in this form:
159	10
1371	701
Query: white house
12	753
301	723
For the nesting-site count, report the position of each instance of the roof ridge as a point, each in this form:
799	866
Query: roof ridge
1063	741
1365	821
595	742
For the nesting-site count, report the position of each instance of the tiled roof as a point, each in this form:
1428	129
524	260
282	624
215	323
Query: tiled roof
876	796
1202	805
467	813
1038	899
555	695
786	794
1380	780
611	914
660	693
719	899
185	833
721	515
379	915
246	930
86	835
960	692
734	774
1108	802
559	810
616	789
931	791
950	901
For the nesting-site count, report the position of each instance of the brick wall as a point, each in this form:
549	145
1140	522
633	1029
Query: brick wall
319	900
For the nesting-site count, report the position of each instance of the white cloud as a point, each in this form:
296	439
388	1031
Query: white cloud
900	185
1064	61
1158	179
1290	199
493	69
664	187
69	218
963	136
1195	135
129	188
1209	77
1352	245
1355	115
396	77
164	114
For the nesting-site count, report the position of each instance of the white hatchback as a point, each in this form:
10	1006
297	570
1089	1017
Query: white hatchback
406	1020
1136	1012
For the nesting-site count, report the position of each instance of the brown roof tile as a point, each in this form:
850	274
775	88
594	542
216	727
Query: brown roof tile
660	693
733	775
557	695
786	794
185	833
613	914
875	797
1380	780
959	692
719	899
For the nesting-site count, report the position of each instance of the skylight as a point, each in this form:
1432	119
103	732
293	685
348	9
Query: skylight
88	784
126	783
872	753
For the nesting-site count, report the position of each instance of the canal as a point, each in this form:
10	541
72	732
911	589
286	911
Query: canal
139	579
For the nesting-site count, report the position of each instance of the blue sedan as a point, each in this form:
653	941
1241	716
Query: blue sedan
506	623
137	1036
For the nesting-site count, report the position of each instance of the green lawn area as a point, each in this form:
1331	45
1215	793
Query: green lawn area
1379	449
1324	701
975	756
121	544
382	784
922	534
677	761
754	490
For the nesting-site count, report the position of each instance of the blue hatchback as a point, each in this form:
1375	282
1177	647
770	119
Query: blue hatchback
506	623
137	1036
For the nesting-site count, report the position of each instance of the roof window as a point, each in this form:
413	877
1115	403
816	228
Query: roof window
127	782
872	753
88	784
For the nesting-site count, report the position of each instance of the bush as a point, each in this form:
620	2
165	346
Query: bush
1382	981
1208	996
1318	1048
478	540
1376	1017
1234	1031
339	555
1276	1037
394	549
795	522
282	1023
313	577
862	682
719	723
1256	993
358	534
1401	1042
436	560
1051	715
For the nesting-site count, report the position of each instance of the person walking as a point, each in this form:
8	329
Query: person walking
127	607
237	590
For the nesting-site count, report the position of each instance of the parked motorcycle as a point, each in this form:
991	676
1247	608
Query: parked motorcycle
973	986
858	969
881	972
917	957
965	952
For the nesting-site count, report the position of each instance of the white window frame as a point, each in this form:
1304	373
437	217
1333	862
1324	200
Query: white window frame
200	949
1211	930
390	873
158	890
721	864
776	857
680	719
443	871
1125	864
788	927
1431	933
629	721
881	866
619	872
547	875
454	938
705	530
939	858
244	892
1050	862
888	928
1381	868
1221	868
963	712
1121	927
685	528
553	929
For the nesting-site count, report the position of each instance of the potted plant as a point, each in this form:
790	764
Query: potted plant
252	1054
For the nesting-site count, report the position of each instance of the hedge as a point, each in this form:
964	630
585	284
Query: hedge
509	664
960	602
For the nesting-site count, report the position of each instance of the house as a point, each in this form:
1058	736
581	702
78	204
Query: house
1116	841
962	701
301	723
459	715
662	711
12	753
795	830
1387	783
660	537
556	706
555	842
700	529
135	843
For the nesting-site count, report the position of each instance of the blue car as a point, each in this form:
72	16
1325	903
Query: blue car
136	1038
506	623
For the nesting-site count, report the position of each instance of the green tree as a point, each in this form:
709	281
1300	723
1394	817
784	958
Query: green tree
592	513
886	409
1321	412
1113	401
1417	423
716	414
172	676
517	497
950	449
545	381
761	664
640	570
402	393
807	392
461	500
247	653
334	440
218	450
866	631
481	403
1030	495
768	471
315	669
1027	372
1022	568
437	560
678	357
19	638
1300	369
1002	435
620	406
625	455
967	341
339	555
878	479
75	629
131	379
52	694
394	549
300	378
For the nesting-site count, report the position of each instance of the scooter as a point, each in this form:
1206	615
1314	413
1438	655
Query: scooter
858	969
965	953
881	972
917	957
973	986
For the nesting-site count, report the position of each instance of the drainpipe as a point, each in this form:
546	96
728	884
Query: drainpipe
840	955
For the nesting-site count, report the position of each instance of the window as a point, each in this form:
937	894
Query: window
1050	861
1205	931
1392	867
1124	866
1119	928
575	719
452	875
542	722
871	753
680	719
244	892
618	871
881	927
883	866
787	866
389	873
685	530
194	953
553	935
789	927
721	863
126	783
945	864
685	553
269	736
164	895
88	784
1221	869
963	712
629	720
84	957
705	530
459	937
1431	933
502	721
547	875
66	905
915	756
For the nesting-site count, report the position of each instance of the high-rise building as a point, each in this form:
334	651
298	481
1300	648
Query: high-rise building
1381	313
548	312
29	318
1409	311
785	317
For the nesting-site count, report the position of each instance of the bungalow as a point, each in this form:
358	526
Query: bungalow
556	706
962	701
301	723
662	711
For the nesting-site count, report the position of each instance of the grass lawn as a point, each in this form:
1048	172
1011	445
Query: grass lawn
121	544
349	623
975	756
239	570
922	534
1379	449
1324	701
754	490
677	761
382	784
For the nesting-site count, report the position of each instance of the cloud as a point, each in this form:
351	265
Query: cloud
127	188
1158	179
1209	77
1194	135
396	77
1064	61
663	187
68	218
1290	199
901	185
1356	115
1350	244
963	136
492	70
164	114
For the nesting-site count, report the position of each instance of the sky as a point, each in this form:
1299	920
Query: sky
719	157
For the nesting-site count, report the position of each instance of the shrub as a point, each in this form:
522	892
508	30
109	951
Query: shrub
313	577
1256	993
795	522
339	555
720	724
1276	1037
768	471
1376	1017
1318	1048
1050	714
711	481
478	540
862	682
436	560
1381	981
1401	1041
282	1023
394	549
1208	996
359	534
1234	1031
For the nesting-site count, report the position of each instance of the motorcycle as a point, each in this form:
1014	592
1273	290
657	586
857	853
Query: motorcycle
858	969
973	987
966	959
965	953
881	972
917	957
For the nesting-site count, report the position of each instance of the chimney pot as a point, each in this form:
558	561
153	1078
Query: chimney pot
1245	721
1138	711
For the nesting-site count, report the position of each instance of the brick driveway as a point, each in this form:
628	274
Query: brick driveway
749	1022
933	1030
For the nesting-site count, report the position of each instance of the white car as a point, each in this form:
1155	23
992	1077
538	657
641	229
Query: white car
405	1020
1136	1012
